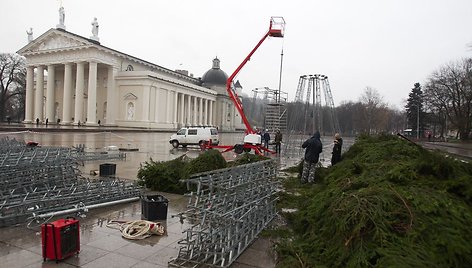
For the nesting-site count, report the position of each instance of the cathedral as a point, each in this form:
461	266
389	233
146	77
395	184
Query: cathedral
74	80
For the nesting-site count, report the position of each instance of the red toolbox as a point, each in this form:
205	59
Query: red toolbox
60	239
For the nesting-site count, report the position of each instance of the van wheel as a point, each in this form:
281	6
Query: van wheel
202	144
175	144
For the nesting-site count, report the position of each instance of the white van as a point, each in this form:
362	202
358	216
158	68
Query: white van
194	136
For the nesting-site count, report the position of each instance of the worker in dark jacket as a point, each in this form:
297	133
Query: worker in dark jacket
313	148
266	138
338	145
278	141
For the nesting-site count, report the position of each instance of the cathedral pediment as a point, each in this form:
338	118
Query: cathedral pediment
55	40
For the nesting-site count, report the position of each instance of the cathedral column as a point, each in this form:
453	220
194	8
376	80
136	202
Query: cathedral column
189	101
200	109
169	106
92	94
176	106
79	94
111	98
29	94
206	112
157	105
67	98
233	113
182	108
50	94
38	100
211	114
146	103
225	115
152	103
194	110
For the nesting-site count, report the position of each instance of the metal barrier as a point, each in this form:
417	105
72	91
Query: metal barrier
11	144
228	209
39	180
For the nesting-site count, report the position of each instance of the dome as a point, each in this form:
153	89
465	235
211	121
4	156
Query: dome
215	76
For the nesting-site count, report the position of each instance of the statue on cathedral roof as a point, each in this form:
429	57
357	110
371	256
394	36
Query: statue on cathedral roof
94	29
30	35
62	18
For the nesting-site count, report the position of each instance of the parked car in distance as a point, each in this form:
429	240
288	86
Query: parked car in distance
195	136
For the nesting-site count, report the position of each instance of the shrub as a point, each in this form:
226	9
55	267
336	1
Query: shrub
207	161
167	176
163	176
247	158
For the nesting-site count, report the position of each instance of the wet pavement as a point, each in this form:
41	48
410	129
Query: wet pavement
101	246
149	145
459	149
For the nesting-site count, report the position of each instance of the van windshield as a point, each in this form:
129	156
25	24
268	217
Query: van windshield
181	131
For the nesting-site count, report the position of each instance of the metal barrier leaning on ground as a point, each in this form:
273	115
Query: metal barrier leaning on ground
228	209
40	182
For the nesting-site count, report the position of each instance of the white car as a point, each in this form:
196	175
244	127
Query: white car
194	136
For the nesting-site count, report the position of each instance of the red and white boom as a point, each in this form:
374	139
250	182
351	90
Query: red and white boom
251	140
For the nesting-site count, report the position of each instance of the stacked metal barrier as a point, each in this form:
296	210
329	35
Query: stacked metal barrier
40	180
228	208
93	156
11	144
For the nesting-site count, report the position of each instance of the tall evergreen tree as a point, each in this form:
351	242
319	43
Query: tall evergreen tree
414	109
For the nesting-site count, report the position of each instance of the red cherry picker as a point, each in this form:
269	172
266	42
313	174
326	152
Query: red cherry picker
252	140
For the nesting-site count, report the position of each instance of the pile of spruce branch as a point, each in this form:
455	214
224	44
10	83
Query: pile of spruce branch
388	203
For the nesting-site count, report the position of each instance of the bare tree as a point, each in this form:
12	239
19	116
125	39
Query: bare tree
374	111
344	112
396	121
12	84
449	89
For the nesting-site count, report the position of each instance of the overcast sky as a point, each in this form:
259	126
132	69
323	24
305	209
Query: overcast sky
387	45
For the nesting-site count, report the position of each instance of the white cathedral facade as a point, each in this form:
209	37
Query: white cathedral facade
72	80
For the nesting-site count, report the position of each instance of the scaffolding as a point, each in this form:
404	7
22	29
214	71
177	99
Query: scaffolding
39	180
275	110
276	117
228	209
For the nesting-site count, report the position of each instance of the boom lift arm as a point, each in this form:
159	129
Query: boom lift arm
251	140
276	29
